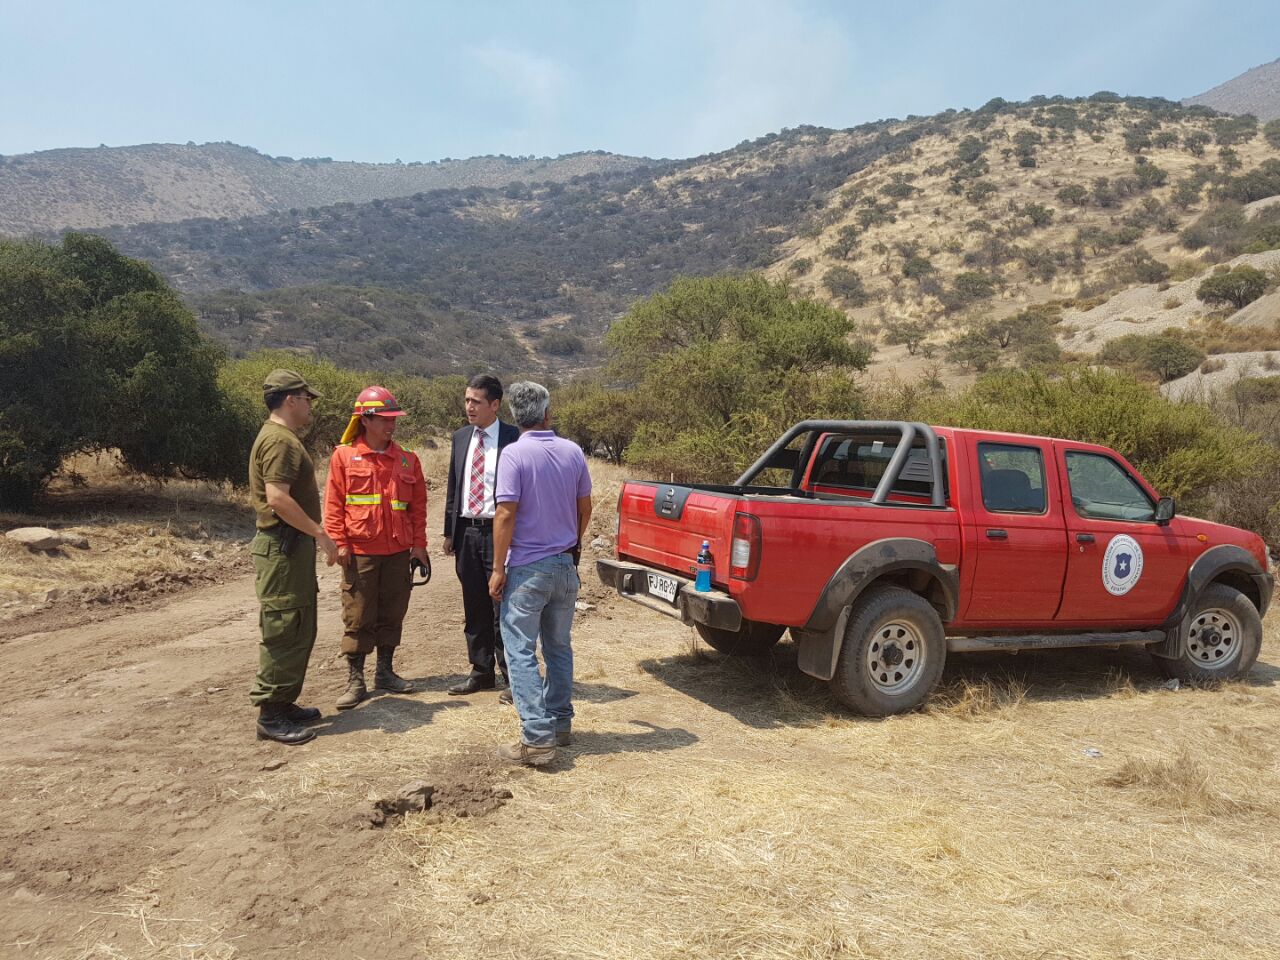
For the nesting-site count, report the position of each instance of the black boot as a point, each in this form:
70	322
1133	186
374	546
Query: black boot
301	715
384	678
356	690
274	724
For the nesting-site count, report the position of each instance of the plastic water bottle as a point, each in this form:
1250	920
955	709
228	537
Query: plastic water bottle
703	582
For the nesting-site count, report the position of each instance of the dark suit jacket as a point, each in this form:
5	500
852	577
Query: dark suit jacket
455	491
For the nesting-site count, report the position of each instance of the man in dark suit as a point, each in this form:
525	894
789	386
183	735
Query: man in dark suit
468	526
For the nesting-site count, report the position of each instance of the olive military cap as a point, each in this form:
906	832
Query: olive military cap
286	381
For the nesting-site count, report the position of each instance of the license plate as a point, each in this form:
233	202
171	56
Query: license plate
664	587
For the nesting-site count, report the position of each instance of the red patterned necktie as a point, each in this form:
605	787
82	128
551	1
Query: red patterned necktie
475	500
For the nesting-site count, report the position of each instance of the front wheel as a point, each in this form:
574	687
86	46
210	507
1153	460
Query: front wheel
1224	637
893	654
751	640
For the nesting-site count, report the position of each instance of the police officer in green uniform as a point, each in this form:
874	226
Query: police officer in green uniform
282	487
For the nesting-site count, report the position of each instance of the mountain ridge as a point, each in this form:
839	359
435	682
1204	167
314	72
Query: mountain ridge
1256	91
93	187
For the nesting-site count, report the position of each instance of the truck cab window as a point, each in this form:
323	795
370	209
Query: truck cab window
857	464
1012	478
1101	489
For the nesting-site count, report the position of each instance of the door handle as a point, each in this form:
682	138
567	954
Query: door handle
1084	538
997	535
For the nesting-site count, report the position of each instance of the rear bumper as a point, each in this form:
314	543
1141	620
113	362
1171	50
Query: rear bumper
714	608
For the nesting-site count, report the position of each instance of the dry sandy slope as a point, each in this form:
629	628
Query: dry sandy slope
1147	309
709	807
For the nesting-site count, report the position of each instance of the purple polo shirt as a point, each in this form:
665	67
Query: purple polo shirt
545	475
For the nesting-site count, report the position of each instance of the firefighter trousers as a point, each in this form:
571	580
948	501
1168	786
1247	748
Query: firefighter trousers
375	598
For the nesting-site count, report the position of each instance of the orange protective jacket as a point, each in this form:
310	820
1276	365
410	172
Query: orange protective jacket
375	503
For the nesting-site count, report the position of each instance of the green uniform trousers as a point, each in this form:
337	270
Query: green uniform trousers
287	589
375	598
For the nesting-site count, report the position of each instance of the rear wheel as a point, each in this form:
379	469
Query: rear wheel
1223	638
893	654
751	640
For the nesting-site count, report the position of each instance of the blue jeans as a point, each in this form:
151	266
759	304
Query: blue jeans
537	602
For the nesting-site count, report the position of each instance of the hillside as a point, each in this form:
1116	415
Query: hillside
925	230
1256	91
161	182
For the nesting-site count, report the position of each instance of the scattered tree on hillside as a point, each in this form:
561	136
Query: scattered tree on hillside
1149	175
1228	131
1195	141
845	243
846	285
971	286
1238	287
969	150
972	350
1074	195
1271	131
1038	214
909	333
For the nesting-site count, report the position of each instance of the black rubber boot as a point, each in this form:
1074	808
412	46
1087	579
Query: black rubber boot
273	724
300	715
356	690
384	678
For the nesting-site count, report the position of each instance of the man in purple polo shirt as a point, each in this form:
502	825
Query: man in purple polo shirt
543	497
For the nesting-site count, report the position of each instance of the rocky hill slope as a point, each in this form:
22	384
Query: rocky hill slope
962	237
162	182
1255	91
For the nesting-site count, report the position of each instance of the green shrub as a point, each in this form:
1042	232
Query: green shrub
1183	449
97	352
845	284
1271	131
721	365
1238	287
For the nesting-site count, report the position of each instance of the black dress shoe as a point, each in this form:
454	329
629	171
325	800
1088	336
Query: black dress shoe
471	685
296	714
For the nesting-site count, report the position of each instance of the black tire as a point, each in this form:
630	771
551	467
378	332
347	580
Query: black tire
751	640
1223	639
893	654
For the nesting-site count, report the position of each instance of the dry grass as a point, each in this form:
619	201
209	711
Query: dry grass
728	809
139	532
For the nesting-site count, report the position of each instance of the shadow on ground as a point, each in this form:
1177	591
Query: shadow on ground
770	692
386	712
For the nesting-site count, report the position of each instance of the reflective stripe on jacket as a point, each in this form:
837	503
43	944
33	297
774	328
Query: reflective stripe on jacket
375	503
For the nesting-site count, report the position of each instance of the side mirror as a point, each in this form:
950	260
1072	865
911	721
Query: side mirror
1165	510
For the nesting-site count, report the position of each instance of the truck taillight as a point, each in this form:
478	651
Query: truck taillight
744	555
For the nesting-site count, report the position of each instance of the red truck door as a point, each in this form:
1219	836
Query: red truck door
1014	533
1124	568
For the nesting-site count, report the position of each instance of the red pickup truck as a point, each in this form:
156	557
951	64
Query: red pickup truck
886	545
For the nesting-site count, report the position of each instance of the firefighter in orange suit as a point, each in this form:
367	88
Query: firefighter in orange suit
376	512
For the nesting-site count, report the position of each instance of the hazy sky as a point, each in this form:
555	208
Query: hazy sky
426	80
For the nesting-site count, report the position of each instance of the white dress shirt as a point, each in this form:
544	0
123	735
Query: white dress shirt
490	471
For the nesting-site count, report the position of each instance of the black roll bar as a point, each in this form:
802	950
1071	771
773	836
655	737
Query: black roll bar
907	432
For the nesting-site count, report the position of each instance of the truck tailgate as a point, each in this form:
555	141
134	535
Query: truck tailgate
664	525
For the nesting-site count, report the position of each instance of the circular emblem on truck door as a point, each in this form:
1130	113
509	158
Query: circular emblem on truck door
1121	565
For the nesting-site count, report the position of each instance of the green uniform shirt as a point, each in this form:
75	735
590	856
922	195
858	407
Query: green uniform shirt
278	456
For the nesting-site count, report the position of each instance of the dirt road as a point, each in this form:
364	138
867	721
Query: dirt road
141	815
709	807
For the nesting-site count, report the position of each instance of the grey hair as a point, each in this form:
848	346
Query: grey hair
528	402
